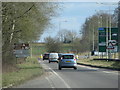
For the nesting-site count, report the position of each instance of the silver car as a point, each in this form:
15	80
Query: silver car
67	61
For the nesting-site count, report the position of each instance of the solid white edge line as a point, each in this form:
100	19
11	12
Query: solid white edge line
60	78
50	82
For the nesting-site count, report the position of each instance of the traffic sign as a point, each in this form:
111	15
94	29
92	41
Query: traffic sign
21	53
104	42
110	46
114	42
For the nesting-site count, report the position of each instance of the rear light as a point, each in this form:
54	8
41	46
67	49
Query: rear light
74	59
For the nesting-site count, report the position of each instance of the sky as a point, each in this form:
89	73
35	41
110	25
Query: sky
73	15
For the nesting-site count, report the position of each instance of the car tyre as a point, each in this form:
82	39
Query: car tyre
60	68
49	61
75	68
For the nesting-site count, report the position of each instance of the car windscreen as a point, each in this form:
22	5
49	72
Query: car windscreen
46	55
53	55
68	57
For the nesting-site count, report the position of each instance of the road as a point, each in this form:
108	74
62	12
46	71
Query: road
83	77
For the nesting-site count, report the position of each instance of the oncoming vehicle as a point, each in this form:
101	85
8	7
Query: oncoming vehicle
67	61
46	56
53	57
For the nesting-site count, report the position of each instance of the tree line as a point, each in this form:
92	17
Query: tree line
89	32
24	22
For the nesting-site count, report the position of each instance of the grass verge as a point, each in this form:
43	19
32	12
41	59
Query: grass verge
100	63
27	70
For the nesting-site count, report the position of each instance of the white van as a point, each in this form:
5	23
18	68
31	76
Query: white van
53	57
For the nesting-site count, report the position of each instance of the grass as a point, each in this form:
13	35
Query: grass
27	70
37	50
0	80
100	63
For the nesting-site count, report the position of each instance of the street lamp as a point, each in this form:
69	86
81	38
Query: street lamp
93	37
60	27
91	25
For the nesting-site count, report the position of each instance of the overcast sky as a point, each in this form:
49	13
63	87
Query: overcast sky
74	14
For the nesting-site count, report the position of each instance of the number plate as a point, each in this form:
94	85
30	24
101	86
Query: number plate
68	61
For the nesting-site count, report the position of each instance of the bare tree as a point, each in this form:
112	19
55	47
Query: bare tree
53	45
67	36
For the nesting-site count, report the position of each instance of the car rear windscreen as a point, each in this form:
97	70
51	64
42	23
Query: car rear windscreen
68	57
46	55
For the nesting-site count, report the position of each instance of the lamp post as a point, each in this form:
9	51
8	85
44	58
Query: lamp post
60	27
100	24
93	37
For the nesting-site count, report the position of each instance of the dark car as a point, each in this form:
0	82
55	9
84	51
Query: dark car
46	56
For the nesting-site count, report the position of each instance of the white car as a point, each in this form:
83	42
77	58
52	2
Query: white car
53	57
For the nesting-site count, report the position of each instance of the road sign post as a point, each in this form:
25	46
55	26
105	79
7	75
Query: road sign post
110	45
119	28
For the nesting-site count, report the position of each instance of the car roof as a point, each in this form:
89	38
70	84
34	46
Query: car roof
68	54
46	53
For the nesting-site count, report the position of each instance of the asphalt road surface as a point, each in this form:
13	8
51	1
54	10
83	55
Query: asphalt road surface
83	77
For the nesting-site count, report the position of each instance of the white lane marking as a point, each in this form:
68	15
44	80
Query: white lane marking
88	67
60	78
50	82
110	72
105	71
47	67
113	72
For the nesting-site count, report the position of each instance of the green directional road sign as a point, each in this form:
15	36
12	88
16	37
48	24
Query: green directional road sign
102	40
103	32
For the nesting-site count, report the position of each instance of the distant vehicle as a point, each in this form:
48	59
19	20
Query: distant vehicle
46	56
53	57
96	53
67	61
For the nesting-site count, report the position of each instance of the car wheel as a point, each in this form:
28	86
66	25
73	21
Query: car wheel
75	68
60	68
49	61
